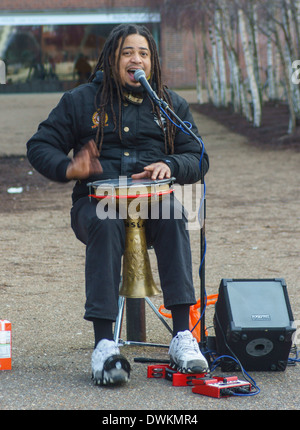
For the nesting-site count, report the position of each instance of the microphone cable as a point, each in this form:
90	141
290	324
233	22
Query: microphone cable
200	141
185	127
234	357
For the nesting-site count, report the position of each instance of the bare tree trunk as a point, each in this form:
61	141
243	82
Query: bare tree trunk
285	68
235	75
253	43
271	64
291	53
230	36
257	112
198	74
296	15
214	70
221	59
207	63
277	70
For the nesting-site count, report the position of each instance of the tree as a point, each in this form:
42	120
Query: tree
283	31
248	51
251	70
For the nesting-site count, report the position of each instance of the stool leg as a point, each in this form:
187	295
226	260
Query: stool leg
158	314
119	319
136	319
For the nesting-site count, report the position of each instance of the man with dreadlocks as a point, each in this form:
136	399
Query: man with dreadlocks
114	130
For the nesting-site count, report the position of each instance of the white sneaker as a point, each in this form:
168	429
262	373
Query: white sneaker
109	367
185	355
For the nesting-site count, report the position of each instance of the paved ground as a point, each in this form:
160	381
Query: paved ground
252	231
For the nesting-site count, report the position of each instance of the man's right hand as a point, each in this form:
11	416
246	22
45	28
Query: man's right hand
85	163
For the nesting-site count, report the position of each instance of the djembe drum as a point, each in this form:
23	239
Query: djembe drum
127	195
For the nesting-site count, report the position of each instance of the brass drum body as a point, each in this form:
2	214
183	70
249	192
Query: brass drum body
132	199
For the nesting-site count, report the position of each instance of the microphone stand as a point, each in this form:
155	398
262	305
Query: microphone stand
203	341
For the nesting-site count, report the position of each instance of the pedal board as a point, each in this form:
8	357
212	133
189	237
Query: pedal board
201	383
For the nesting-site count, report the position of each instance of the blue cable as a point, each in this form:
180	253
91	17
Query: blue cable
291	360
254	393
294	360
189	125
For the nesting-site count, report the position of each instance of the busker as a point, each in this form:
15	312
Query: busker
113	129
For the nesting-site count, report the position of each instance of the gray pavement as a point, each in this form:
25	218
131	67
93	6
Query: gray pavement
42	278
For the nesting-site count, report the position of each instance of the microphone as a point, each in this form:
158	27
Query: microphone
139	76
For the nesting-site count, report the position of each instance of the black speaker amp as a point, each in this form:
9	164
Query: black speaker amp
253	320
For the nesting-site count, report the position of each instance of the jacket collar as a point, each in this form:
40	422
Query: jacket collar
134	97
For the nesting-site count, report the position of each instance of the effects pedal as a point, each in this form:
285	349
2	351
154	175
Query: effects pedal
178	379
220	386
157	370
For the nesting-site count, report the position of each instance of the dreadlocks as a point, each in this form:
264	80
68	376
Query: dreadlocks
109	64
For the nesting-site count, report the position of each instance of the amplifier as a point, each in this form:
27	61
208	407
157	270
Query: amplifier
253	322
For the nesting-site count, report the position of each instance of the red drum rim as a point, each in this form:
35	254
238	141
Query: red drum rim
159	193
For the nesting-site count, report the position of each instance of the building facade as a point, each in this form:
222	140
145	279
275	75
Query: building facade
55	44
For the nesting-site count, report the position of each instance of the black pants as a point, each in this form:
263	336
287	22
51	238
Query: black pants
105	239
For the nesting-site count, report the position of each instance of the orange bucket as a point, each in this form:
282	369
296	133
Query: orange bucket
194	315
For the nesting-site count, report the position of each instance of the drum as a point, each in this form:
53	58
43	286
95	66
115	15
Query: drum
132	198
127	188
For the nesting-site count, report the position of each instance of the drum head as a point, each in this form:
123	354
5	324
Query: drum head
129	182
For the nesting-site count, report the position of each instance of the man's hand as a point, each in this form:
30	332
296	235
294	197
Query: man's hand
85	163
154	171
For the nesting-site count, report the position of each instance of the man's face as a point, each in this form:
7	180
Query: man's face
135	54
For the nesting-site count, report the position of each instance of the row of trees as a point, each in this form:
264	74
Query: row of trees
248	52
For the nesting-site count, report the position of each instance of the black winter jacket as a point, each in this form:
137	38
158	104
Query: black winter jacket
73	122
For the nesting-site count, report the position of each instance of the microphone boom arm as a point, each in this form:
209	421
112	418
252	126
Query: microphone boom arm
164	107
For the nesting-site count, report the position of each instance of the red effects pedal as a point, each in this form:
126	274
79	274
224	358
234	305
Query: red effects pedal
220	386
166	372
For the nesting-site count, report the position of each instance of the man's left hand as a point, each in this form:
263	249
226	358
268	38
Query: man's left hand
154	171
